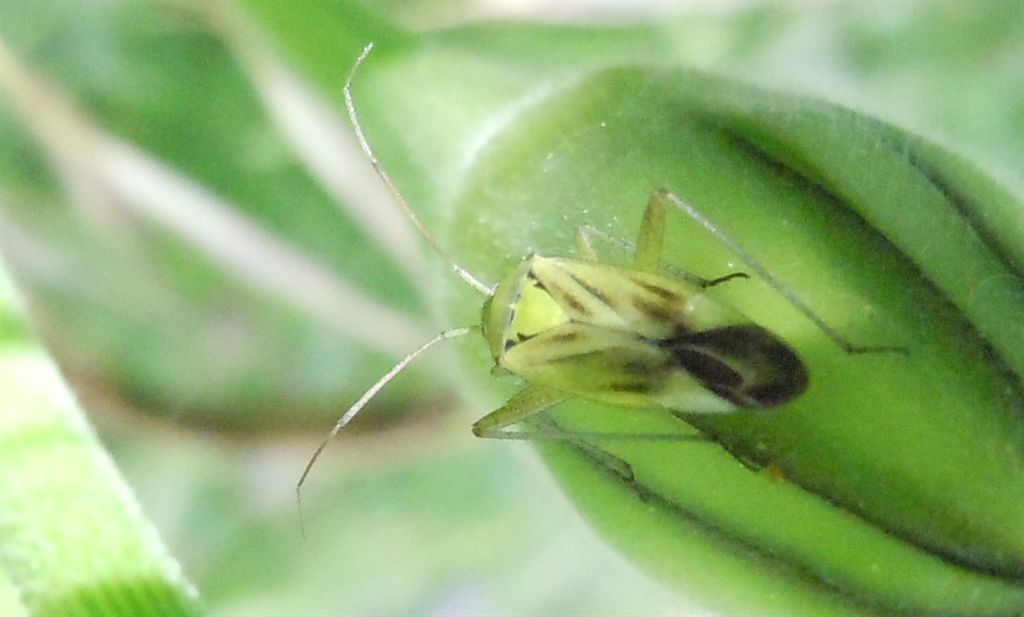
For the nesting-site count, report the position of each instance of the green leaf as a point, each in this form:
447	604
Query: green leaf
895	485
73	539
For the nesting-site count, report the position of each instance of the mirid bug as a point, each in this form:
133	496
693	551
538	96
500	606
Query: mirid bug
632	336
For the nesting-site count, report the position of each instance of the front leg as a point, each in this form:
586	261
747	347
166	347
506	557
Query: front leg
526	403
532	400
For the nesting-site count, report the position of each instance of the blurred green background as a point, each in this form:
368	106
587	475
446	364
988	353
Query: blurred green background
211	377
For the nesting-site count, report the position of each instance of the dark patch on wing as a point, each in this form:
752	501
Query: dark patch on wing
747	365
708	368
778	391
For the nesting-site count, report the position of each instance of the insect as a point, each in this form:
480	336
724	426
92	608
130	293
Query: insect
627	336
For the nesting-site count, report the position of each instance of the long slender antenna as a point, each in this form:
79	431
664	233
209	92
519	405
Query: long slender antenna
786	292
464	274
365	398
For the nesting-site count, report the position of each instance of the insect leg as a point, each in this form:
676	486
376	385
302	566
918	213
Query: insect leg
527	402
541	434
583	246
650	240
606	459
532	400
665	197
587	234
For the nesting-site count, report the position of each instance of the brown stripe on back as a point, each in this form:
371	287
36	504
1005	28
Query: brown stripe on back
661	292
571	300
575	356
597	293
565	337
653	310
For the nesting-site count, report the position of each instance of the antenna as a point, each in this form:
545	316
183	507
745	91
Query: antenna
363	400
464	274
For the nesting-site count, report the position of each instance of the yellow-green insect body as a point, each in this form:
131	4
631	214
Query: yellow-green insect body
637	339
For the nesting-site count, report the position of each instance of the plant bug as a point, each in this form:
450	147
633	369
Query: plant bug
627	336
